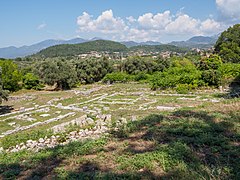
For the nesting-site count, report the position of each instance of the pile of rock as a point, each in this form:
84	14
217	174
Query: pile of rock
53	141
101	126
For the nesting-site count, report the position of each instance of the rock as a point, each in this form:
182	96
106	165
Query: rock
41	140
59	105
166	108
90	120
106	108
47	141
44	115
85	108
215	101
57	112
108	118
73	133
17	147
14	150
34	144
29	141
123	120
1	149
41	145
12	123
98	131
22	109
23	147
134	118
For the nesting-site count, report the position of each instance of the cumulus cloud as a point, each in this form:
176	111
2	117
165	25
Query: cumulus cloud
183	24
230	9
211	26
41	26
158	21
148	26
105	23
131	19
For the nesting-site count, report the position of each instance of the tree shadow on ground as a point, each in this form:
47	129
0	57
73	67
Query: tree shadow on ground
234	88
187	145
202	142
5	109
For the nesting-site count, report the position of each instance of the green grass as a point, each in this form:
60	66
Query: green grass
199	142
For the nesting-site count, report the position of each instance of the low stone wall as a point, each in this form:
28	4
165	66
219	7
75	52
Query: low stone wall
101	126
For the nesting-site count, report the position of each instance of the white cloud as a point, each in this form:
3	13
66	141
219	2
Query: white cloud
148	26
211	26
105	23
230	9
131	19
41	26
158	21
183	24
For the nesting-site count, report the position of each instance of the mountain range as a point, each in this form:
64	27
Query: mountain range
14	52
202	42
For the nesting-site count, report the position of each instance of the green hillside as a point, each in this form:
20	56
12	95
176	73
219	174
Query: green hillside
76	49
159	48
65	50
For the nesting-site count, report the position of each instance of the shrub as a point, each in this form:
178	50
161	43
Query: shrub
184	88
183	72
212	77
30	81
117	77
141	76
210	70
10	75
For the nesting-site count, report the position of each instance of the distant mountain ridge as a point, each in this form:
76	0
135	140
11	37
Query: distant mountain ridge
14	52
197	42
133	43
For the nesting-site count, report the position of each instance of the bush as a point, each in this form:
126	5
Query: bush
141	76
212	77
10	75
184	88
230	70
30	81
183	72
210	70
117	77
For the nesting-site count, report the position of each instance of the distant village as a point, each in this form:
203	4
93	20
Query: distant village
123	56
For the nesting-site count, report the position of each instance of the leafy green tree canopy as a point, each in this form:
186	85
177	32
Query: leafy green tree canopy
92	70
57	71
3	93
228	44
10	75
31	81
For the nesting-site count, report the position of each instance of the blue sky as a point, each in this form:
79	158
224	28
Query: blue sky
24	22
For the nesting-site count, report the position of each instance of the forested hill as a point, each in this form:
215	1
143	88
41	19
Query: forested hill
65	50
76	49
158	48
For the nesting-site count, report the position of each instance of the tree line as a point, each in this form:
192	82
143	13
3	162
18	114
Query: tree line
180	72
